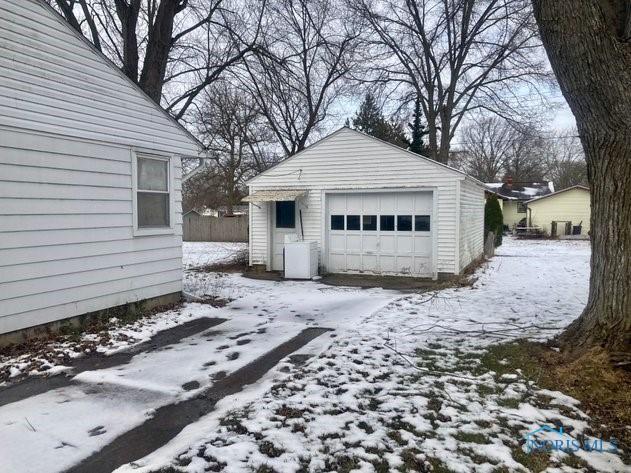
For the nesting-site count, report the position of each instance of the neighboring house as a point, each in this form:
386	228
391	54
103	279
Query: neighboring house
569	208
89	177
371	207
515	195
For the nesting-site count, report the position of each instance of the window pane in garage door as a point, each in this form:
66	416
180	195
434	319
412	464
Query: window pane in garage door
337	222
421	223
352	222
386	223
404	223
369	223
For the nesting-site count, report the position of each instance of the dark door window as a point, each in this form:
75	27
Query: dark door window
369	222
386	223
421	223
337	222
352	222
404	223
286	214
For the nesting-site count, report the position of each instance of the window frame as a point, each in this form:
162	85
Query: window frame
146	231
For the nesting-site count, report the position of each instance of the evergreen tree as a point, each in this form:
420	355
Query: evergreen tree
369	119
418	131
493	219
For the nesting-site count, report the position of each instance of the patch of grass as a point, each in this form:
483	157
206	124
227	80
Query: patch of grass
485	390
574	462
365	427
438	466
410	460
289	412
268	448
471	437
509	402
396	436
604	392
534	461
342	464
507	357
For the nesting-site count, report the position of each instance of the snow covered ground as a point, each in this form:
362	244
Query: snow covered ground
205	253
398	384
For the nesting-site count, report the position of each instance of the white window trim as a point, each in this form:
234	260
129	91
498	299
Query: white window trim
138	232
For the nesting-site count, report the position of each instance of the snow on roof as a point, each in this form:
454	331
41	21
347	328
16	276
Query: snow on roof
521	190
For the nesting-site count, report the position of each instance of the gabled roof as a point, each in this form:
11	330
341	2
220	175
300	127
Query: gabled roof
521	190
365	135
558	192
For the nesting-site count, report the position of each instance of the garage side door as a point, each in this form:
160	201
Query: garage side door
380	233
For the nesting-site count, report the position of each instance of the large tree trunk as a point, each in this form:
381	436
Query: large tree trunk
158	48
591	57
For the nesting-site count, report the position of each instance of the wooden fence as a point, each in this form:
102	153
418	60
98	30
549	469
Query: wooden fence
205	228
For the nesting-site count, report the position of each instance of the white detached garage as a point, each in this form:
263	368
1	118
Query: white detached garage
371	207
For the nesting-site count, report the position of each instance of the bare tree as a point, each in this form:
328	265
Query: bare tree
299	71
566	165
455	55
237	138
493	148
187	43
589	46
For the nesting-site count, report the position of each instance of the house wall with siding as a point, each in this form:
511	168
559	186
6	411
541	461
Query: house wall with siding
471	223
66	232
52	80
69	122
348	160
510	214
573	205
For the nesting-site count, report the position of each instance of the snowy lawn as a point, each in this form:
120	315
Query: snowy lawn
197	254
409	387
401	384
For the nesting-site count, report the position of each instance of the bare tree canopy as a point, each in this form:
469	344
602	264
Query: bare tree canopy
239	144
298	73
493	148
589	47
187	44
455	55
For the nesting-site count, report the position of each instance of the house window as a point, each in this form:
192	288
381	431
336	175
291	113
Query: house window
404	223
521	207
337	222
152	193
286	214
386	223
421	223
352	222
369	222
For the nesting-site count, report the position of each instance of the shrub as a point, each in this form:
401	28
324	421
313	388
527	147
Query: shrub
493	219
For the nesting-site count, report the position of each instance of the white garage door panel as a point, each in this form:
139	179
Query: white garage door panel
380	250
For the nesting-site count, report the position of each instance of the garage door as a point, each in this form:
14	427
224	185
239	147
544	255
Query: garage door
380	232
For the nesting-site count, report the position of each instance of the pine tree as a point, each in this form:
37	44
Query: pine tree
418	131
369	119
493	219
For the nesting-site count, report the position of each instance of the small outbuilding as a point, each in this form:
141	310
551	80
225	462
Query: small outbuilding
370	206
562	213
89	178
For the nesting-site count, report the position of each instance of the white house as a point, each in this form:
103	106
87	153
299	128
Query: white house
371	207
89	177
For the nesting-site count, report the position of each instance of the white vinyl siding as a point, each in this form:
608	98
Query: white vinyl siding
67	244
471	223
52	81
348	160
